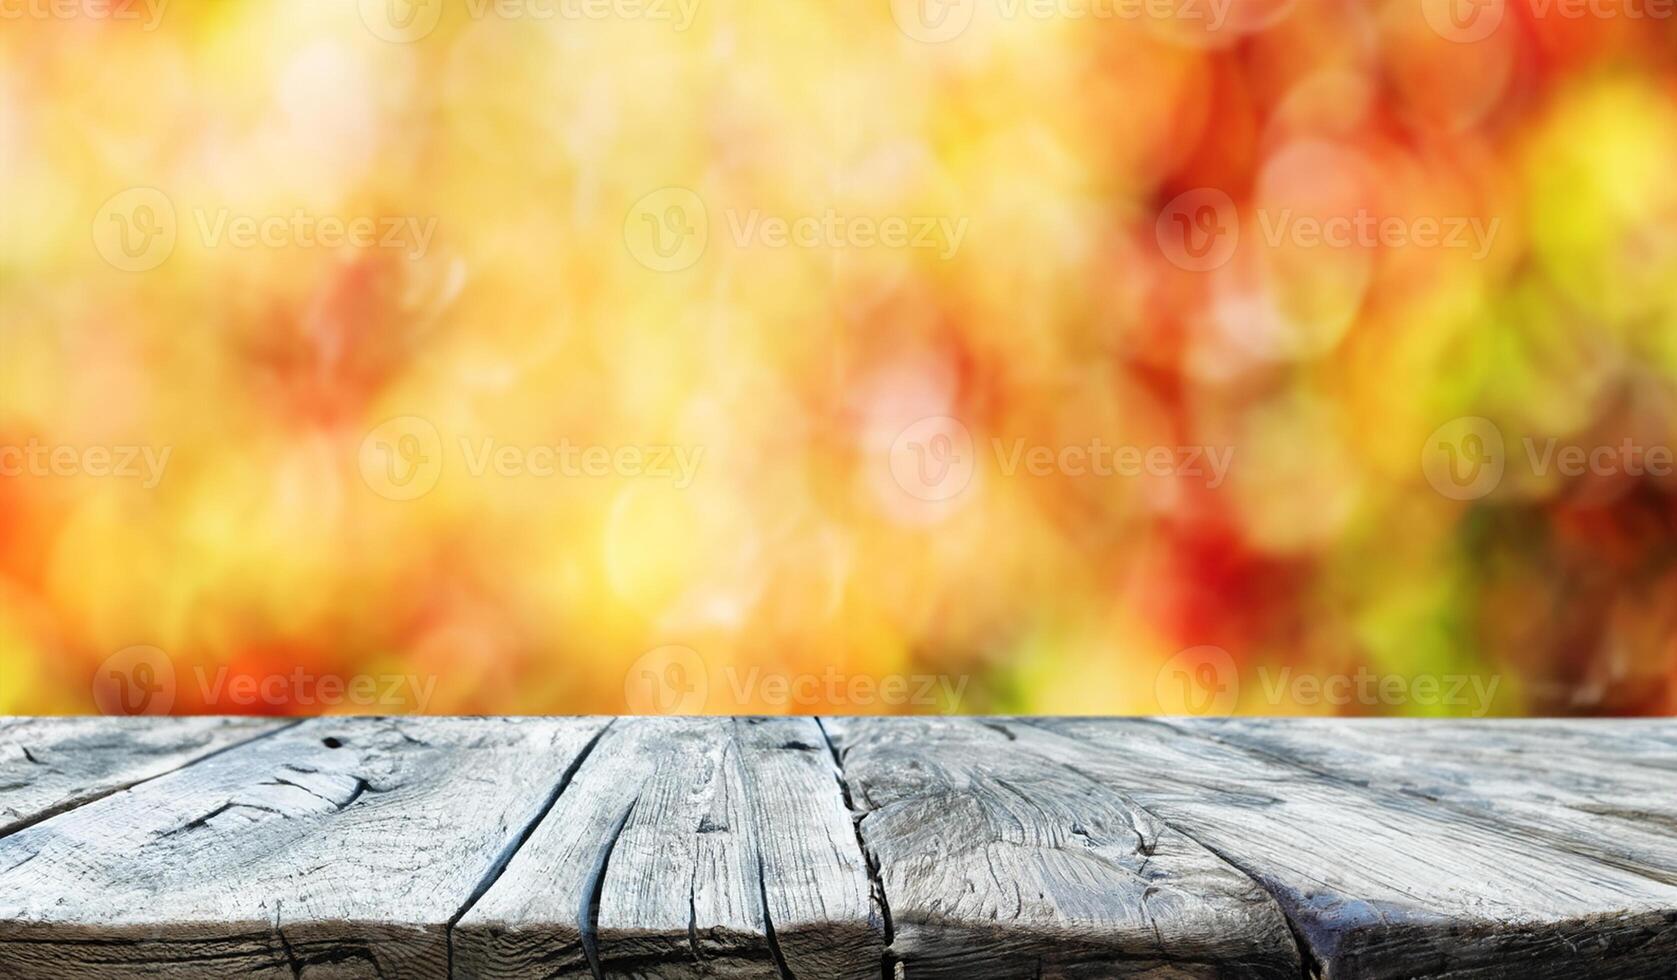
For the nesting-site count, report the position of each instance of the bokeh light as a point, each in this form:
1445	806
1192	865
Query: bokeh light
788	356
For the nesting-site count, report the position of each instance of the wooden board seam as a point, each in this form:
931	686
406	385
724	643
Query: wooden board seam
876	884
1331	948
768	922
1312	966
588	916
1488	819
506	856
75	804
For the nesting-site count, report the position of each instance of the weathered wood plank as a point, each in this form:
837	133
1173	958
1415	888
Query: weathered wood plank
338	848
1001	858
49	765
1648	743
1382	883
681	886
681	848
1614	801
685	848
820	899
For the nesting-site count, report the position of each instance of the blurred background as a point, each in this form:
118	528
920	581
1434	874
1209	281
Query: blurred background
1059	356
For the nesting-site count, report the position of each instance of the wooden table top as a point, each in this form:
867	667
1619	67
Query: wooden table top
836	848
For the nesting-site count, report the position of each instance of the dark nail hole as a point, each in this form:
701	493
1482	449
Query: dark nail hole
331	743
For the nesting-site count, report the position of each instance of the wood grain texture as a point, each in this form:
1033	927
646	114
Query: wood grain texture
1612	800
696	847
1382	883
49	765
1001	858
713	847
337	848
818	891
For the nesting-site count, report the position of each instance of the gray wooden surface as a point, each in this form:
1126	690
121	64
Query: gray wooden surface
996	855
1383	883
341	846
48	765
844	848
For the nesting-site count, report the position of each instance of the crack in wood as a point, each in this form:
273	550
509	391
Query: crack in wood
117	785
1476	814
291	960
505	858
995	855
278	815
1073	849
588	916
876	884
1468	814
1374	880
693	916
768	924
1310	966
